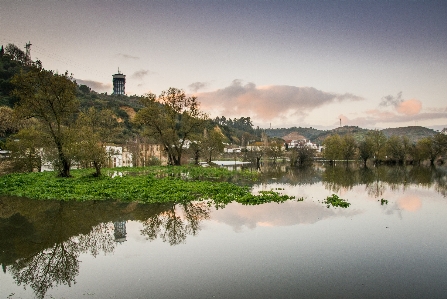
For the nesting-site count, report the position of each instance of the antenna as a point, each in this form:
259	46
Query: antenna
340	122
28	53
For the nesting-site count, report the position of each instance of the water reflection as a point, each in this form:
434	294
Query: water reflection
42	241
176	223
286	214
59	264
378	179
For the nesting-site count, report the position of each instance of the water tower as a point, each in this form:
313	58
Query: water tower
119	82
120	231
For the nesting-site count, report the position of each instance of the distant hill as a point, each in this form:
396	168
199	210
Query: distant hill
293	136
414	133
355	131
308	133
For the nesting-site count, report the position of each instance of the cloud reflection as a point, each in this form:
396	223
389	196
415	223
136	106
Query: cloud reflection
273	214
411	203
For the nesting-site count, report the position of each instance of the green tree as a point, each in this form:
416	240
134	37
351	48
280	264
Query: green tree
8	125
432	148
212	144
15	53
95	129
366	150
348	147
302	155
378	140
407	146
275	149
25	148
50	98
395	149
332	148
172	119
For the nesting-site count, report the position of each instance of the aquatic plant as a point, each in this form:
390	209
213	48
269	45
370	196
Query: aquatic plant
264	197
336	201
150	185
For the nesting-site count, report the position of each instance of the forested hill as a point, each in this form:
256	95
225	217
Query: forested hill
414	133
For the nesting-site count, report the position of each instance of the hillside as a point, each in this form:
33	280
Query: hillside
357	132
414	133
308	133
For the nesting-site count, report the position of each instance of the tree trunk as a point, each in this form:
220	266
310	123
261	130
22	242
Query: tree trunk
97	168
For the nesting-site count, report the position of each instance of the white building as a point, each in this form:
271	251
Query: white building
117	157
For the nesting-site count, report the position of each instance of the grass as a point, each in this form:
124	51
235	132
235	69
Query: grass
150	185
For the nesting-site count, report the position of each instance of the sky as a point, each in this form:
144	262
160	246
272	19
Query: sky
372	64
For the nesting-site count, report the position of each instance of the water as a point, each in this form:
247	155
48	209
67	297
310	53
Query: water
297	249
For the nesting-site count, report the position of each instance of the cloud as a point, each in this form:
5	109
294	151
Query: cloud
127	56
140	74
409	107
374	117
390	100
95	85
406	107
268	103
197	85
394	109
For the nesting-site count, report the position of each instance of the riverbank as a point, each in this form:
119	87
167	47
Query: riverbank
155	184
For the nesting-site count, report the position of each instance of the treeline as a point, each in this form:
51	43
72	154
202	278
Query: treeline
378	148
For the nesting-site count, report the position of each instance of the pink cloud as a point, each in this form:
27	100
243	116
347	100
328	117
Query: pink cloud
267	102
409	107
374	117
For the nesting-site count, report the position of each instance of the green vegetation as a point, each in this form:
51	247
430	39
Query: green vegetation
336	201
381	149
171	119
148	185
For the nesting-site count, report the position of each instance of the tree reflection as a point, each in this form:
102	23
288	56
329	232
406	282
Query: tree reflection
377	186
378	179
59	264
175	224
54	266
335	178
100	239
